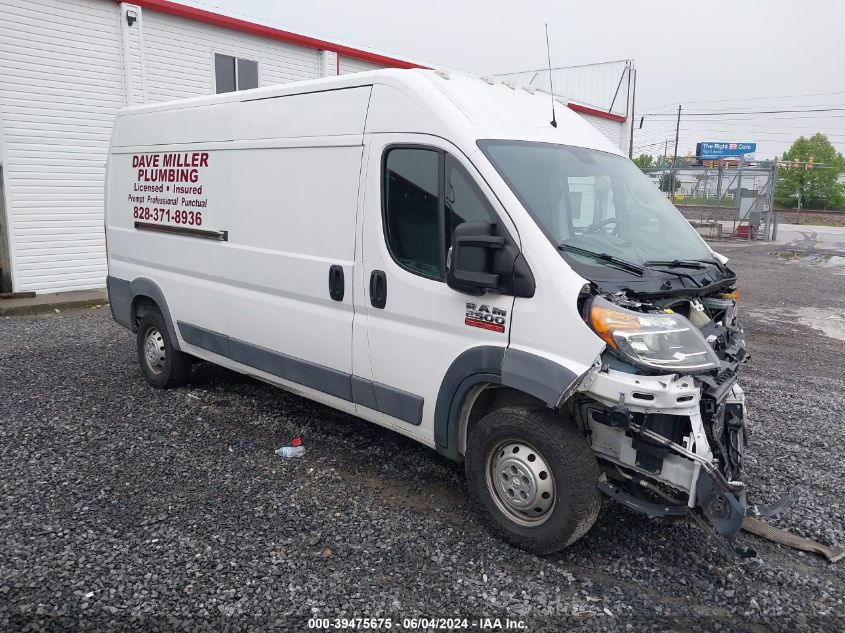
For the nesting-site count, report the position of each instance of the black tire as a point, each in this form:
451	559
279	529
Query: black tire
556	443
171	368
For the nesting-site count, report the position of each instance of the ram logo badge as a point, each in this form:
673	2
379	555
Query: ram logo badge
485	317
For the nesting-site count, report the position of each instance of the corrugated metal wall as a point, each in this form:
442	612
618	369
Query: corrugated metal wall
66	67
60	87
614	130
594	85
350	65
179	57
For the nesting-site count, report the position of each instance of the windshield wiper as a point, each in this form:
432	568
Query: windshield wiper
604	257
680	263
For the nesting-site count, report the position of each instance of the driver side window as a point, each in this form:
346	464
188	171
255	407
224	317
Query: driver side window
427	193
590	201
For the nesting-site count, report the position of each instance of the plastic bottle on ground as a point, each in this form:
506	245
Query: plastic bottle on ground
290	451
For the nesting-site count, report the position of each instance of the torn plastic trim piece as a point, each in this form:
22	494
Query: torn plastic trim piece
727	512
722	508
649	508
745	556
773	509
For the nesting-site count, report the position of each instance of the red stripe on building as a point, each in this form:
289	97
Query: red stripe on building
217	19
593	112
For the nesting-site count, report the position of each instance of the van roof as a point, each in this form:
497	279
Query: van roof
448	103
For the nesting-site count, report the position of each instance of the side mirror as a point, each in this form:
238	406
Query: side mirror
479	260
470	268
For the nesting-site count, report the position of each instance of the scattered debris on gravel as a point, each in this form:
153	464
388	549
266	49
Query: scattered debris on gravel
128	507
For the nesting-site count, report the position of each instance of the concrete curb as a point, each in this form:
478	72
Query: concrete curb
51	302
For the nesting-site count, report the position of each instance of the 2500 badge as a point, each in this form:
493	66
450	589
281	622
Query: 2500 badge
485	317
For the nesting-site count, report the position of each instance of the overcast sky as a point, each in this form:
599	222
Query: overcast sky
716	55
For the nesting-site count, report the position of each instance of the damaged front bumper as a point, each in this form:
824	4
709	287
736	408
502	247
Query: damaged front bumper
661	455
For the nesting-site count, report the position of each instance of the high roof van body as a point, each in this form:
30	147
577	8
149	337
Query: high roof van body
442	256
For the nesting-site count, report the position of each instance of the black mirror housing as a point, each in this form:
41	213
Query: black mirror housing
483	260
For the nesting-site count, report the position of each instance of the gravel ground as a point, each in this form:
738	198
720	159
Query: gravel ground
130	508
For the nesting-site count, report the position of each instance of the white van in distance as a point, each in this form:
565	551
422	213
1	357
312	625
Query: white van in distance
427	251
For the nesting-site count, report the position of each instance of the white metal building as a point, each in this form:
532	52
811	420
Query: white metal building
602	93
67	66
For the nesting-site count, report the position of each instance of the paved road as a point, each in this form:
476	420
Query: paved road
134	509
807	237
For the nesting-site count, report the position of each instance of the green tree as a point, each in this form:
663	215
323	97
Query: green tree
818	186
666	182
644	161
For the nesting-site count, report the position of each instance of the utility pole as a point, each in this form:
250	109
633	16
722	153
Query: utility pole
716	216
675	156
738	201
633	72
774	216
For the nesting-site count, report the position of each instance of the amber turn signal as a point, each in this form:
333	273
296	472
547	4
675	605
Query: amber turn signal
606	320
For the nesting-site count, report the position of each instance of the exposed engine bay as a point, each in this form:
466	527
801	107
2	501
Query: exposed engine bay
663	409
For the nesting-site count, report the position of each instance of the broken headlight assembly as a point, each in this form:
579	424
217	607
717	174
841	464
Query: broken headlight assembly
652	340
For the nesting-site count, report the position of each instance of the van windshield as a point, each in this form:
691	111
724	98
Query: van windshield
590	202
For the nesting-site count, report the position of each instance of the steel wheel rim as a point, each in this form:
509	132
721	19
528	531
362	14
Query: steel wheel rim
521	483
154	353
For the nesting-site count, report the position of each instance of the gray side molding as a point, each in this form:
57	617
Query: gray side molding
296	370
148	288
206	339
535	375
122	295
363	393
120	300
399	404
405	406
526	372
474	366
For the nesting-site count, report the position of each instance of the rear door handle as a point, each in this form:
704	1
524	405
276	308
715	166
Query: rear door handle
336	284
378	289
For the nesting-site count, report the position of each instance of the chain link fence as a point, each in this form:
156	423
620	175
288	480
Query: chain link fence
727	200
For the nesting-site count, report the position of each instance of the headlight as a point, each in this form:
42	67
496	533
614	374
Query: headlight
662	340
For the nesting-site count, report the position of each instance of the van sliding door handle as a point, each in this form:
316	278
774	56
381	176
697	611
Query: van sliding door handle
378	289
336	282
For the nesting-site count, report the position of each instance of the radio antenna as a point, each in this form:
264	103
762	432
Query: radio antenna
551	83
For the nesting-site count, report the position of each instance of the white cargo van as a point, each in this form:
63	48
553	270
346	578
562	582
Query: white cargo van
427	251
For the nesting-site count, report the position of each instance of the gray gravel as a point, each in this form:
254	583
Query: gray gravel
124	507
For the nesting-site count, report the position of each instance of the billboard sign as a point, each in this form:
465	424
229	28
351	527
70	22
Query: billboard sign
713	151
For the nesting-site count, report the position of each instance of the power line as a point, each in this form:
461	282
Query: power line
758	98
746	112
642	147
745	117
756	133
779	126
802	107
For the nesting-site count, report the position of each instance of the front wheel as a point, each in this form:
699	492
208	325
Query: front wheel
163	365
532	476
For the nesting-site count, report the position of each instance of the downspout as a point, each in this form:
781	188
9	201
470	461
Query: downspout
142	54
7	253
125	56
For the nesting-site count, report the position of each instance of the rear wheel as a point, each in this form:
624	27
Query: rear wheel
532	476
163	365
